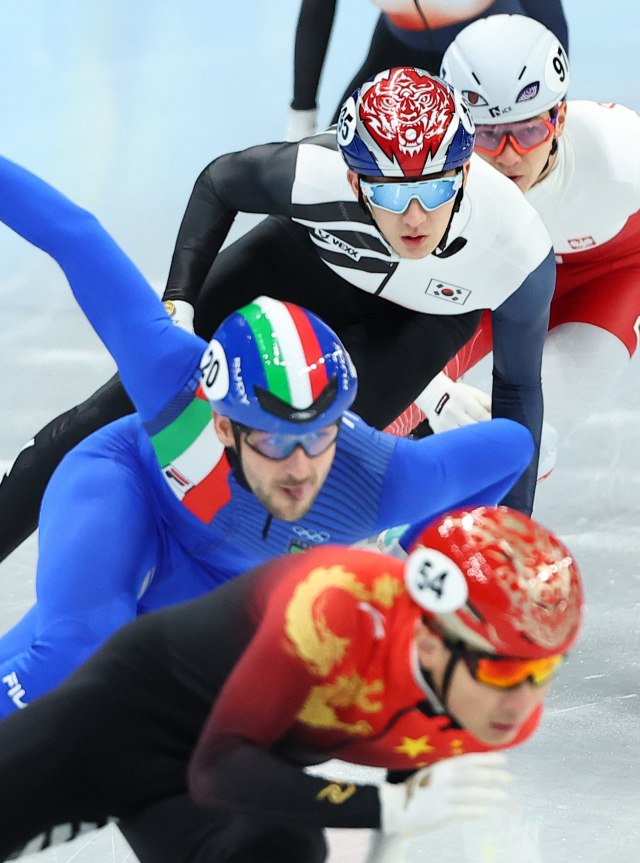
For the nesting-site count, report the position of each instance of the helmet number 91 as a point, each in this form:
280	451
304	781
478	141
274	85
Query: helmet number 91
560	64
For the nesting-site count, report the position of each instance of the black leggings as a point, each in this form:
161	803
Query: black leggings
395	350
115	740
385	52
175	830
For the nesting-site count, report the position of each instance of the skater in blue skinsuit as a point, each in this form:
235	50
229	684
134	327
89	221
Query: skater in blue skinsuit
164	505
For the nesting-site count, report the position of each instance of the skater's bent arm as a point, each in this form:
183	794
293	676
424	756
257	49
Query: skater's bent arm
154	357
519	330
475	465
240	761
257	180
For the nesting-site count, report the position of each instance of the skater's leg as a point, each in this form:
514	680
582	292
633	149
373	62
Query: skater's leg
22	487
177	831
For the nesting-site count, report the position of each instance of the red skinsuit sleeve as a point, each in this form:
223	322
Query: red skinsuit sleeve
231	767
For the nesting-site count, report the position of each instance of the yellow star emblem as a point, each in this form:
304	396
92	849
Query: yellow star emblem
456	747
413	748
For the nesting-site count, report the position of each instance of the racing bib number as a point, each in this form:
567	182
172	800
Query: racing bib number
215	371
434	581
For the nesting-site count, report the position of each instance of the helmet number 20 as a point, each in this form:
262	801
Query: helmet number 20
215	371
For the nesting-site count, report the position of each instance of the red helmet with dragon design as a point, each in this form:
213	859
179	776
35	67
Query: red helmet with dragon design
497	581
405	123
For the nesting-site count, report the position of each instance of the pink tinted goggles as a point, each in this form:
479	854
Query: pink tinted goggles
524	136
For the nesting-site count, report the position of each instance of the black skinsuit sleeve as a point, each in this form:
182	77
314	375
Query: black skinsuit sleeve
258	783
257	180
312	39
519	330
551	14
240	762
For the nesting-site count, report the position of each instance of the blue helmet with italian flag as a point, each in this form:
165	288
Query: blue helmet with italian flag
276	367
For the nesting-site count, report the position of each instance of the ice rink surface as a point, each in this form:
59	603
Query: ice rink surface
120	105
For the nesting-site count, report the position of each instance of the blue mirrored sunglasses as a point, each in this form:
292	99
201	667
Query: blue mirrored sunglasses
396	197
278	447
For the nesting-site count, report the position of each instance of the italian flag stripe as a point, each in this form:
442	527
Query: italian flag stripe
196	462
172	441
312	350
292	356
199	394
269	349
210	495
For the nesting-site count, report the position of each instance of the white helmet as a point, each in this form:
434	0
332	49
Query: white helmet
508	67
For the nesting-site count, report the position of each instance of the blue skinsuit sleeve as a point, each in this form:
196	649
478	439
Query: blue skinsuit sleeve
519	329
471	466
98	548
154	357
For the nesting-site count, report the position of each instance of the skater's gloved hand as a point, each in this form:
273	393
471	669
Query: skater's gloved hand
449	404
455	789
181	313
302	124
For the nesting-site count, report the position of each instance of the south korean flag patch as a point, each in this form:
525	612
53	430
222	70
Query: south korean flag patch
445	291
434	581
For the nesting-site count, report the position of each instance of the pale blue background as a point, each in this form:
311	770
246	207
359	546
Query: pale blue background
120	105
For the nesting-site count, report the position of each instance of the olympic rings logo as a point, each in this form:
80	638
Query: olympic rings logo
312	535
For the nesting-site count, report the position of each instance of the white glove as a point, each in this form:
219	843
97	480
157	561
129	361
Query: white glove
181	313
449	404
302	124
454	789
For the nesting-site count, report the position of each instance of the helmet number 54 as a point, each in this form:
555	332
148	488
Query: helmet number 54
431	579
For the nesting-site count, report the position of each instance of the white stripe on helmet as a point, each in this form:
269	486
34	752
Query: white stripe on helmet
290	343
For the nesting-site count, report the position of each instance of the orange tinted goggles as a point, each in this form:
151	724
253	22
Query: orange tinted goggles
505	672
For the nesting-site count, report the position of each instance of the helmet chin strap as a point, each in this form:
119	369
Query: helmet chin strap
456	649
444	251
234	458
454	658
552	152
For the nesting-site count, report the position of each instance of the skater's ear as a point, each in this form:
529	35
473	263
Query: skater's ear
354	182
432	654
562	117
224	430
